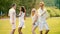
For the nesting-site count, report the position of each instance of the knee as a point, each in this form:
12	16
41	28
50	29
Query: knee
13	29
32	30
19	29
47	30
40	31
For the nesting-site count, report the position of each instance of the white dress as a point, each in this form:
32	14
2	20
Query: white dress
21	19
36	23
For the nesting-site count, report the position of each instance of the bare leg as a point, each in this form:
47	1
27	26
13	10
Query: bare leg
13	30
33	30
19	30
46	31
41	32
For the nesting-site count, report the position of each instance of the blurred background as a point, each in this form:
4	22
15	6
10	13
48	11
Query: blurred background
53	7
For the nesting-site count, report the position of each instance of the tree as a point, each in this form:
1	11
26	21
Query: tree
5	5
57	3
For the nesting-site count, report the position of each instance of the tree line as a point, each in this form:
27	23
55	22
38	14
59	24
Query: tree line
29	4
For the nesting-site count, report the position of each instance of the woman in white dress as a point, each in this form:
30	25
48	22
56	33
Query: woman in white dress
21	19
34	20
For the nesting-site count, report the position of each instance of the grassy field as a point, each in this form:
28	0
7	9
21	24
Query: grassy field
53	23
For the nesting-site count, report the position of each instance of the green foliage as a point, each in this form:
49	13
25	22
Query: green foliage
53	12
5	5
49	2
57	3
29	4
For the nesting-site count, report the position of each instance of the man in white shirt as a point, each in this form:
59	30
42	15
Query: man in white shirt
12	14
42	18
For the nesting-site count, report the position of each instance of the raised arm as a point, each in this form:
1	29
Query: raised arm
19	14
43	13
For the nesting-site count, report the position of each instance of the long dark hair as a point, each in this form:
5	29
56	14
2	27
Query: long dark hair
23	9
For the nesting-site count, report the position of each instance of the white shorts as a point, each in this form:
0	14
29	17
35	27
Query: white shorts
43	25
21	24
13	25
36	24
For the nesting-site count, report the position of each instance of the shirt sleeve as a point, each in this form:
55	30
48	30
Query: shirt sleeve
38	11
11	12
46	13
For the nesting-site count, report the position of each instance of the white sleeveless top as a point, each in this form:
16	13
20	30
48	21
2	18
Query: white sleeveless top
33	17
21	17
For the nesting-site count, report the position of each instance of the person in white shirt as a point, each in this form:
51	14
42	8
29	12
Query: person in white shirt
21	19
35	23
12	14
42	18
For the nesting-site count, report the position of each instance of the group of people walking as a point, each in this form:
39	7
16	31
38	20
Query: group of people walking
38	18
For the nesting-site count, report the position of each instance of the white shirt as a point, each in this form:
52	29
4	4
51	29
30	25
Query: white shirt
12	12
21	17
40	11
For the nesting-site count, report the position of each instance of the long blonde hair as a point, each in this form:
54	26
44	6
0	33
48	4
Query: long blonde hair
33	10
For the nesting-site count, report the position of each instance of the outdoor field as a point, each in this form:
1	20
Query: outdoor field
53	23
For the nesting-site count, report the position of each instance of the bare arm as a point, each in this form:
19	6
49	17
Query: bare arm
47	16
19	14
36	17
43	13
25	16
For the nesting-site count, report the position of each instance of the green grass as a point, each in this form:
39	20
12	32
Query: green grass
53	23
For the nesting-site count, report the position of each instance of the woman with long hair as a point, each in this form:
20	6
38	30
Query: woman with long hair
34	20
21	19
